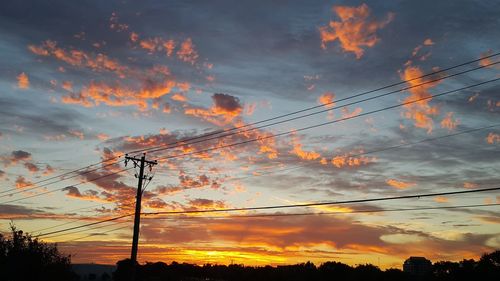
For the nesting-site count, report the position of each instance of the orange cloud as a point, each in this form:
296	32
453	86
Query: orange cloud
473	97
134	36
305	155
48	170
350	161
449	123
115	95
102	136
158	44
399	184
115	25
420	112
250	108
41	51
67	85
470	185
159	70
268	147
90	195
15	157
326	99
277	240
355	30
225	106
31	167
200	204
415	51
151	44
23	81
169	47
187	52
77	134
21	182
428	42
441	199
493	138
487	61
188	182
77	57
346	114
178	97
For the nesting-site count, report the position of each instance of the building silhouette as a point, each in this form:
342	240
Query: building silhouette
417	266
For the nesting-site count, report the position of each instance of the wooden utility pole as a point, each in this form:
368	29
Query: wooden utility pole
141	163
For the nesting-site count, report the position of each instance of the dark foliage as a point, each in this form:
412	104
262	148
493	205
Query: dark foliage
23	258
487	268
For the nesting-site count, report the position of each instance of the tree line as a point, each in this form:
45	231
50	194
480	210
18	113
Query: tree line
486	268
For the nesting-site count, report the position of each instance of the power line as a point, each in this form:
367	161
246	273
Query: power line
299	166
295	167
95	234
331	203
203	137
252	124
85	225
324	110
151	149
329	122
57	181
377	199
332	213
76	220
298	214
55	190
377	150
280	134
79	231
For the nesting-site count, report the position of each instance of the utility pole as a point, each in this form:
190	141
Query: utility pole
141	163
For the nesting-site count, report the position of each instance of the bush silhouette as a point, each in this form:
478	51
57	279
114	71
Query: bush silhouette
25	258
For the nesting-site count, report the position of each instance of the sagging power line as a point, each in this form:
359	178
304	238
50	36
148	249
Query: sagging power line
282	133
183	141
306	164
177	218
331	203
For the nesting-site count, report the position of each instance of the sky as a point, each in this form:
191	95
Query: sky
84	82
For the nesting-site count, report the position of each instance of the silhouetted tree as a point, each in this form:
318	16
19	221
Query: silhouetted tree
25	258
489	265
123	270
393	274
367	272
333	270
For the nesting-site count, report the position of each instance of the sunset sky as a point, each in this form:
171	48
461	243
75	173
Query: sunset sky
84	82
